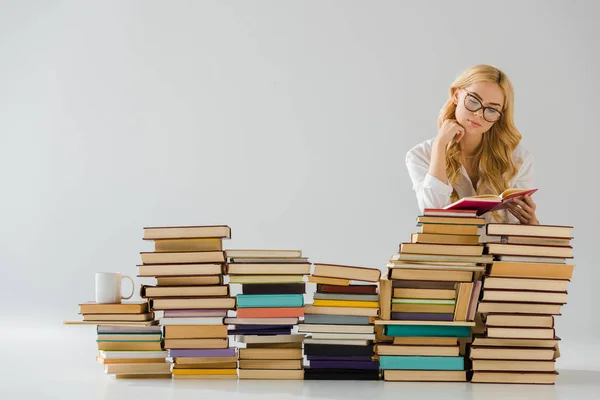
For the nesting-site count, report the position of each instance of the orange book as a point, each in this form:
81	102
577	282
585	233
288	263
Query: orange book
283	312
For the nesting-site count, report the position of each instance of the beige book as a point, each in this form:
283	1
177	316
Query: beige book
543	285
442	249
447	229
520	333
342	336
268	269
336	328
189	280
200	361
270	338
451	220
356	311
271	374
128	337
119	317
207	377
270	354
177	245
217	365
290	345
511	353
525	296
423	308
265	278
430	275
132	346
183	257
424	341
256	253
513	365
556	231
186	232
348	272
195	331
424	376
524	321
408	293
385	298
143	376
519	308
503	342
270	364
191	303
531	270
219	343
548	378
176	270
395	350
328	281
433	238
339	342
183	291
127	307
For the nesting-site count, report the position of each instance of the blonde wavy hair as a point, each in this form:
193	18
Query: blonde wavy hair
494	154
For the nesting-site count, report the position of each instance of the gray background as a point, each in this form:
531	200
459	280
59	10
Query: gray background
288	121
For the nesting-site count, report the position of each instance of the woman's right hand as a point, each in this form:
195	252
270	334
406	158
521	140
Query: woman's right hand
450	130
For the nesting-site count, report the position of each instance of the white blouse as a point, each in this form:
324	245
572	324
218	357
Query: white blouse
433	193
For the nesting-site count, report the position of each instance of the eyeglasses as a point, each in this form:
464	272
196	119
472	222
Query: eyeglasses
473	104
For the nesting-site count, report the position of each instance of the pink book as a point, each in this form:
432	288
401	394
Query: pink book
489	202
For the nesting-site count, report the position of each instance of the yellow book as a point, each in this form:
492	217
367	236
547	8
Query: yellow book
345	303
198	371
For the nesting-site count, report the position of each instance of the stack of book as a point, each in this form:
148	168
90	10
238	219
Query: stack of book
340	322
129	339
429	298
188	263
524	288
269	307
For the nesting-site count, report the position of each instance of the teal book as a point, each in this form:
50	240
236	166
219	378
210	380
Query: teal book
269	300
422	363
428	330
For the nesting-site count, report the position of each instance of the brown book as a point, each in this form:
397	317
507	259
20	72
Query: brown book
540	241
442	259
183	291
423	308
258	253
291	338
441	249
127	346
424	376
503	342
385	299
528	250
525	296
415	284
178	270
555	231
193	303
103	361
520	333
187	232
351	289
518	308
548	378
542	285
213	343
336	328
268	269
430	275
270	374
395	350
119	317
511	353
177	245
126	307
523	321
356	311
270	364
451	220
328	281
463	298
270	354
150	368
408	293
444	238
531	270
183	257
266	279
348	272
513	365
424	341
217	365
208	280
292	345
449	229
200	362
274	288
195	331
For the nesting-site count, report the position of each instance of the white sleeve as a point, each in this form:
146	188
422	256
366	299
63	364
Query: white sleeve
523	180
431	192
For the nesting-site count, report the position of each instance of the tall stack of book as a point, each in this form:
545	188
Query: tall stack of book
429	298
188	263
340	322
524	288
268	311
129	339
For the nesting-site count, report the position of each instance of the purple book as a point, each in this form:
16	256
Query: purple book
263	327
371	365
422	316
194	313
337	358
229	352
259	332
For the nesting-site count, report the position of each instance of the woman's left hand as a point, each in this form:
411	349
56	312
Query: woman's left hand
524	210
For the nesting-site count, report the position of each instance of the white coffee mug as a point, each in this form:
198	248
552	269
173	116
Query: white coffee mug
108	287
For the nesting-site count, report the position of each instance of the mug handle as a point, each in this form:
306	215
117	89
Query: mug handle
132	287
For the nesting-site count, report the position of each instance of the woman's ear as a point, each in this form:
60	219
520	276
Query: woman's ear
455	97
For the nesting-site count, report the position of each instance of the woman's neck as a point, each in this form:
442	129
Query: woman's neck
469	144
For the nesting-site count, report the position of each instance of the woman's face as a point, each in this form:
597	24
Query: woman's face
486	98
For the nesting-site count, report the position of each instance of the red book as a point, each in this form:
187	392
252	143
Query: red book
489	202
282	312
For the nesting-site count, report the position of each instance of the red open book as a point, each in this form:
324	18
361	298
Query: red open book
489	202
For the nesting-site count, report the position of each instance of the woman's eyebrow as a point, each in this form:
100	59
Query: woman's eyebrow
479	97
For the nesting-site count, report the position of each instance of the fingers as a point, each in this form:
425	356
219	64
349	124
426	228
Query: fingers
515	211
526	207
529	201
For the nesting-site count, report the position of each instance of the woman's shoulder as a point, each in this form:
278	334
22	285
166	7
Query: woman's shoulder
420	152
521	155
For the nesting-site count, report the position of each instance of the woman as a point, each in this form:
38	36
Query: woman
476	150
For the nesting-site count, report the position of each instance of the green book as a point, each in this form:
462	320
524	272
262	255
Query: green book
269	300
428	330
424	301
422	363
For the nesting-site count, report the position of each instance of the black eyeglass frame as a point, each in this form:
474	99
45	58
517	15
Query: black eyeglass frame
480	107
